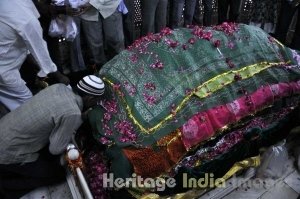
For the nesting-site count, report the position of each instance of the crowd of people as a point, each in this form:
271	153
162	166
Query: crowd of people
103	31
96	32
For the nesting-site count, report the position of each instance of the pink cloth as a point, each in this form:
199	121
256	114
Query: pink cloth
203	125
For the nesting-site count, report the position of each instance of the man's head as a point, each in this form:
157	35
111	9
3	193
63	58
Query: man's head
90	88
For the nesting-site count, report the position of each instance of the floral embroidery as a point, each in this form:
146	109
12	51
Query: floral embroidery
271	39
230	45
104	140
151	100
125	128
234	107
190	129
237	77
227	27
141	71
96	167
150	86
192	40
229	63
166	31
296	56
275	89
184	46
171	43
199	32
217	43
134	58
110	106
249	102
173	109
188	91
130	89
107	116
158	64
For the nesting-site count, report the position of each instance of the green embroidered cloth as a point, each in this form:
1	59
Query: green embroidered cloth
157	84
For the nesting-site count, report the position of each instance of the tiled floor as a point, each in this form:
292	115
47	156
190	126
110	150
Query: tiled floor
285	187
60	191
66	190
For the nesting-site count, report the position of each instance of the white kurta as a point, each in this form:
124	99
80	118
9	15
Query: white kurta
20	34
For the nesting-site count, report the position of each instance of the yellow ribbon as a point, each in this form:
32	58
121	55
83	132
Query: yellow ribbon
203	90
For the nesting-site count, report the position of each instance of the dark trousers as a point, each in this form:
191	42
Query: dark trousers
285	18
129	23
154	15
177	10
207	12
207	15
18	179
234	10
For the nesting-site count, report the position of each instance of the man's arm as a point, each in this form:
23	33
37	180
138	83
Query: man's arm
62	134
32	35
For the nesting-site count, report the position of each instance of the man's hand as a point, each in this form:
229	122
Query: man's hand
59	77
79	11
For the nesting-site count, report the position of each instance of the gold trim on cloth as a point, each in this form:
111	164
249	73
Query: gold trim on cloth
250	162
207	88
222	80
278	42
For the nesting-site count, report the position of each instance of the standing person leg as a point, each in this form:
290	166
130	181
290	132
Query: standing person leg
161	15
129	23
77	61
177	9
114	35
234	11
296	38
285	18
197	14
13	89
148	16
222	10
207	12
189	11
94	37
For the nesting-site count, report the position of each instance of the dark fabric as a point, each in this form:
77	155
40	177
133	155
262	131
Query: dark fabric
154	15
129	23
207	15
249	147
207	12
265	11
19	179
128	75
285	18
234	10
200	63
177	11
58	49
